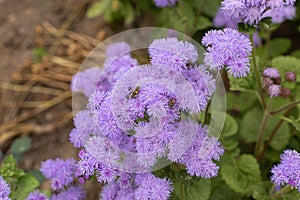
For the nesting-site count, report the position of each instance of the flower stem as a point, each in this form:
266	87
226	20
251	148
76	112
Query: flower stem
290	105
273	133
256	72
262	129
181	191
281	193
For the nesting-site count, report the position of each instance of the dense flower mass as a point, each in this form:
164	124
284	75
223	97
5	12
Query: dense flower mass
142	115
72	193
164	3
287	172
251	12
4	189
172	52
60	172
228	48
36	195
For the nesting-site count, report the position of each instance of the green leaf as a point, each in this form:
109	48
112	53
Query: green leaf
240	101
242	174
97	8
261	190
246	28
267	24
287	63
224	192
246	84
197	190
37	174
21	145
230	127
250	125
296	54
230	144
24	185
203	23
279	46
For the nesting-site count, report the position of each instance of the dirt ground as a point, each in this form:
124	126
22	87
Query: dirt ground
18	20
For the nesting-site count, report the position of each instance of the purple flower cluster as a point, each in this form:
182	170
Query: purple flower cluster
72	193
137	119
36	195
287	172
60	172
117	63
137	186
228	48
4	189
251	12
272	81
164	3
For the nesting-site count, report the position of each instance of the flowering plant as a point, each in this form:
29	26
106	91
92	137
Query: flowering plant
155	130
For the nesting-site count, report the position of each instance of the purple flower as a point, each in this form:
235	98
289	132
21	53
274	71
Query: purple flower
233	8
271	73
229	48
36	195
118	49
290	76
172	53
274	90
86	81
281	14
59	171
109	191
72	193
164	3
4	189
287	172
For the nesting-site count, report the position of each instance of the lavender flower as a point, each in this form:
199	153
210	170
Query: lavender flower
86	81
72	193
36	195
118	49
271	73
281	14
227	47
164	3
274	90
172	53
251	12
4	189
287	172
59	171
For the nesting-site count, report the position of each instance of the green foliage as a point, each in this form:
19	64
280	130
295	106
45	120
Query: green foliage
19	146
246	84
199	189
250	125
38	54
287	63
240	101
230	127
246	28
242	174
279	46
21	183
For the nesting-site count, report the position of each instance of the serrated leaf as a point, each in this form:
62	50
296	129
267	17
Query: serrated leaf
198	190
261	190
250	125
24	185
279	46
230	127
224	192
240	101
21	145
246	28
242	174
202	23
97	8
287	63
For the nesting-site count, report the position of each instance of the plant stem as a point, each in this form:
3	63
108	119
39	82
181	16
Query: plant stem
273	133
206	112
262	129
290	105
256	72
181	192
281	192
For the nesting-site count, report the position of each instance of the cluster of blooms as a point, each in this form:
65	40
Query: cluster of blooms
272	80
137	186
4	189
135	116
164	3
229	48
62	174
288	170
252	11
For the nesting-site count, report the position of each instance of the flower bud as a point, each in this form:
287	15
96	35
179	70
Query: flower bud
277	80
267	82
285	93
290	76
274	90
